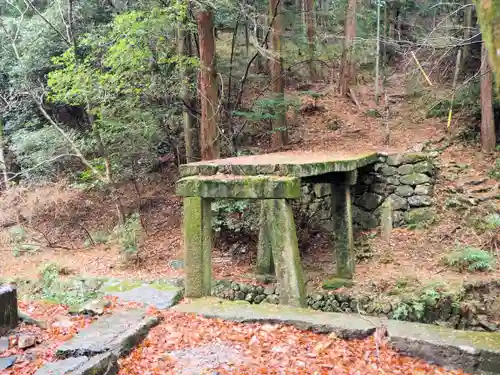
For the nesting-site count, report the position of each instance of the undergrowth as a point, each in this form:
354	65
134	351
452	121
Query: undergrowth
470	259
415	306
52	287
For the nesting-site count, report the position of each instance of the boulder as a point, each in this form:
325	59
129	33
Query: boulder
397	202
405	169
369	201
420	215
404	190
420	201
414	179
425	189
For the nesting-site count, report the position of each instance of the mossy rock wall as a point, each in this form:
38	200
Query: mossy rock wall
464	310
406	179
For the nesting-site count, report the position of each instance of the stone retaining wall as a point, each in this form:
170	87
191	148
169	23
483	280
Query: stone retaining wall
461	310
407	180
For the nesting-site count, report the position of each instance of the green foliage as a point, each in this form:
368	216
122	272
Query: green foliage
36	152
18	237
99	237
413	307
235	215
127	77
466	100
70	292
494	172
129	235
470	259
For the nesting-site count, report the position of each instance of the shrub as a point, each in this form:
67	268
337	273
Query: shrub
471	259
235	215
494	172
36	152
129	235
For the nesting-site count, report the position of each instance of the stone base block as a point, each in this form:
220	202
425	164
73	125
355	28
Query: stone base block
9	317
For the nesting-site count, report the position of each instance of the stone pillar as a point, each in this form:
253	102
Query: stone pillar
8	309
265	264
342	222
197	247
285	251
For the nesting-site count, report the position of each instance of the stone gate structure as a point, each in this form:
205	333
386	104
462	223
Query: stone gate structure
275	179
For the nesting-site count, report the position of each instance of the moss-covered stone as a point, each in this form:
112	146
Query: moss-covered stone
343	242
414	179
285	251
265	263
285	164
230	186
198	246
336	283
420	215
121	285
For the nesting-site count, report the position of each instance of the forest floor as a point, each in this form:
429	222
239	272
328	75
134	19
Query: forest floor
60	219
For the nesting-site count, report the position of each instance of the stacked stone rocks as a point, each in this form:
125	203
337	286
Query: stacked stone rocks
406	179
446	310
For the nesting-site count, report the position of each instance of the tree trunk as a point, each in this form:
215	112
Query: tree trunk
209	140
347	71
279	132
488	136
247	40
185	49
377	57
259	36
467	35
309	16
3	166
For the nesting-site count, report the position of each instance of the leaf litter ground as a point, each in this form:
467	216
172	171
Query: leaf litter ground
188	344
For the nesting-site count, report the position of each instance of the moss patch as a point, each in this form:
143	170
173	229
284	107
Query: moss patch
122	285
336	283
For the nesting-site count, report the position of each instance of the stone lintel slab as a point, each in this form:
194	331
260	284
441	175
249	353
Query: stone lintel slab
240	187
296	164
468	350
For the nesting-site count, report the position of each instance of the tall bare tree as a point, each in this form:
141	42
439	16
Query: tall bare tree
185	48
347	67
309	18
280	133
488	136
209	133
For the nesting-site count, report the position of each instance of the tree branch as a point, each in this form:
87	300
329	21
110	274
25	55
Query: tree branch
28	2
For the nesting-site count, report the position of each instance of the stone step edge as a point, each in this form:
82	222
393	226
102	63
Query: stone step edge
470	351
106	363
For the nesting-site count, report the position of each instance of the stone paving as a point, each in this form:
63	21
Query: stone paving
467	350
96	349
202	359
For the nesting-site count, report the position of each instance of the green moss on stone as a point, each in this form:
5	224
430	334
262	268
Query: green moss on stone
123	285
198	246
285	251
222	186
336	283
